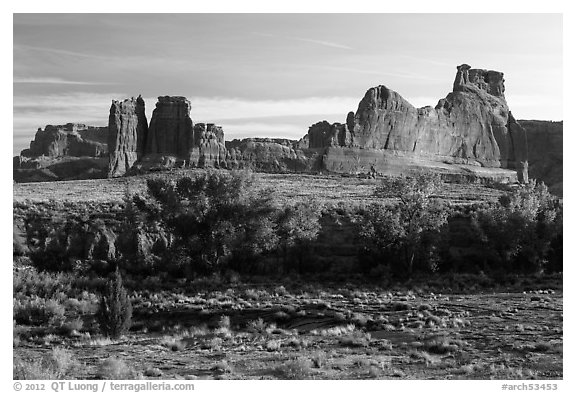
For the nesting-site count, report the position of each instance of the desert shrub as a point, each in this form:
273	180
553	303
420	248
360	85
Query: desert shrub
523	231
403	236
115	312
38	311
114	368
51	367
31	282
214	217
299	368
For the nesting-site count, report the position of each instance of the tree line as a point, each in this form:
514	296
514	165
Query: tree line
214	221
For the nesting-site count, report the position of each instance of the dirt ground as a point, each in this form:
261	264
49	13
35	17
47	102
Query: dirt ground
332	334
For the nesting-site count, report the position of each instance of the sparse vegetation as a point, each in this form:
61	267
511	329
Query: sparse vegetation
54	366
274	313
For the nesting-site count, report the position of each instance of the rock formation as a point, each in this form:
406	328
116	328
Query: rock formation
71	139
63	152
324	134
207	148
174	140
128	129
471	126
469	134
268	154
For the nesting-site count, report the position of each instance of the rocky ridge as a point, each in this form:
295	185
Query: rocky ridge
471	133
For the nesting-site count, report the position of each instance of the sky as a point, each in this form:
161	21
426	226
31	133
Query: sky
271	75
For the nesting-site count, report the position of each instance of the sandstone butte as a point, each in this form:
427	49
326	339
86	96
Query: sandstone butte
470	133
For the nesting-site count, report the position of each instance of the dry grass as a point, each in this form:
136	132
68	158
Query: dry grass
114	368
290	188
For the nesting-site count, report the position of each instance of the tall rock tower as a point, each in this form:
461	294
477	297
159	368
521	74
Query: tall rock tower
128	129
171	128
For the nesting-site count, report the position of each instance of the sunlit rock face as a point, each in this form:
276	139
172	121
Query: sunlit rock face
472	125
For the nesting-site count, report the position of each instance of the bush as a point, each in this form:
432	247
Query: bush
115	312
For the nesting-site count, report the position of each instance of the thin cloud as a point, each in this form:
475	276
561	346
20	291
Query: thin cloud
426	60
309	40
58	51
235	108
54	81
264	130
324	43
405	75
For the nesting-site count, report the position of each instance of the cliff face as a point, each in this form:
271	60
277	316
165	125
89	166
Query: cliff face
472	125
128	129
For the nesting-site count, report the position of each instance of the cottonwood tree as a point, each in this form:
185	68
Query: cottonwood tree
213	216
407	227
522	228
298	225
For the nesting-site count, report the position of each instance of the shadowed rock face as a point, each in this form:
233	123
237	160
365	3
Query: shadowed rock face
545	152
472	125
128	129
324	134
171	128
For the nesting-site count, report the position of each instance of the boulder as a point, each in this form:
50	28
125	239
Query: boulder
128	129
